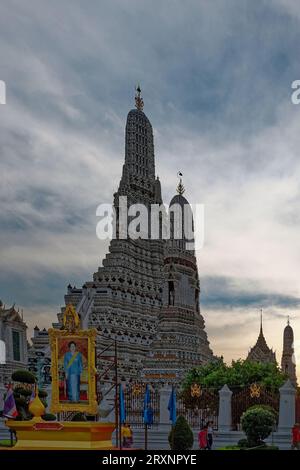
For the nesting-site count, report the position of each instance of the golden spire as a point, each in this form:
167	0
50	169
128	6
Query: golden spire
180	187
139	103
71	321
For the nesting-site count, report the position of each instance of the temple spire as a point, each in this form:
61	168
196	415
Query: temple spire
180	188
139	102
261	321
288	320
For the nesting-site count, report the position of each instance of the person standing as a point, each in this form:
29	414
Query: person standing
210	433
127	436
296	437
202	438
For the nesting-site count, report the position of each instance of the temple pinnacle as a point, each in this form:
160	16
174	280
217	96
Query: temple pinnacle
180	187
139	102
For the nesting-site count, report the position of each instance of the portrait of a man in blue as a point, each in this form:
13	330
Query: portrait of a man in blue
73	368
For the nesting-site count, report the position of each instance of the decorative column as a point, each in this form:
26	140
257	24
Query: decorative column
287	407
224	418
164	396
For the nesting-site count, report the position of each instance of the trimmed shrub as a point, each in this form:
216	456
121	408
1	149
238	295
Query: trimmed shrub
20	402
181	436
23	376
265	407
24	392
257	423
49	417
79	417
243	443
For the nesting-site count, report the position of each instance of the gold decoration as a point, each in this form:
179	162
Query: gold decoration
196	391
255	391
58	406
71	321
137	389
36	407
139	103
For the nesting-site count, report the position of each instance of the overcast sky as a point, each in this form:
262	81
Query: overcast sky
216	79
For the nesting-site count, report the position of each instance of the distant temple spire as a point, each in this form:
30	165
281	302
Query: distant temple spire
139	102
180	188
261	352
288	361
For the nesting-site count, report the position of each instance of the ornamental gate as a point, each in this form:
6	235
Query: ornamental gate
199	405
134	404
242	399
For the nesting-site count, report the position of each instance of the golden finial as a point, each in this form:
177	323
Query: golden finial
36	407
180	187
71	321
139	102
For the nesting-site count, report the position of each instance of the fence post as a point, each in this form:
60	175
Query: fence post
224	418
164	397
287	407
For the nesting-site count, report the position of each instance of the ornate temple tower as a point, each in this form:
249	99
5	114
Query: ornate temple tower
288	363
125	298
261	351
181	341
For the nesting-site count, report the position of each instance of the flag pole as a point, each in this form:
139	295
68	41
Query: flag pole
116	395
120	424
146	436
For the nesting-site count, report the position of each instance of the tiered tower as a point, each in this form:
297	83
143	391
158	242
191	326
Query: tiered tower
261	351
288	363
125	298
181	341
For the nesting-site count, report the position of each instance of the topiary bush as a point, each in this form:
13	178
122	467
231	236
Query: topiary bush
257	423
21	391
49	417
79	417
23	376
266	407
181	436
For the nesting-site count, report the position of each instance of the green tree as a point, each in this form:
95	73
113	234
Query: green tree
181	436
240	373
257	423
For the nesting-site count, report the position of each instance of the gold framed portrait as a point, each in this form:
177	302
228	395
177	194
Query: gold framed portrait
73	367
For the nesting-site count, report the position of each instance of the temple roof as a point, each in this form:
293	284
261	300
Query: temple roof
260	351
10	314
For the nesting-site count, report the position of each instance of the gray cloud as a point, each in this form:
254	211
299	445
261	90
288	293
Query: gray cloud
228	293
216	81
